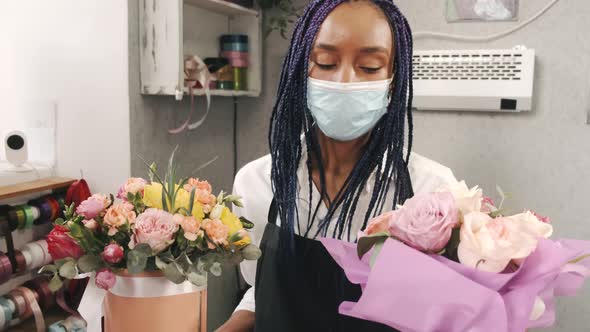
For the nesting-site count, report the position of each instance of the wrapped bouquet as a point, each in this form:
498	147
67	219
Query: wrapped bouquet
453	261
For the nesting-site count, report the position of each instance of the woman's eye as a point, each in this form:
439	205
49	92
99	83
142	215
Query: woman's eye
325	66
371	70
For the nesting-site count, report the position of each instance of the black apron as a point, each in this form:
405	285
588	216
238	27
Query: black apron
309	301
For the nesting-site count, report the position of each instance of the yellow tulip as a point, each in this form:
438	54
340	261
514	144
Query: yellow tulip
152	195
234	224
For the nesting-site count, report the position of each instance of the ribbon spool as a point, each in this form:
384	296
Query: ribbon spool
44	209
36	254
5	268
7	312
44	295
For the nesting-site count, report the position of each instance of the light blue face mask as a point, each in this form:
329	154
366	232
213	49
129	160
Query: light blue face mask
346	111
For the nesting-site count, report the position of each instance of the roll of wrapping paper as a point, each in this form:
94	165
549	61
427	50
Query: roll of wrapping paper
5	268
230	39
240	80
70	324
31	307
29	216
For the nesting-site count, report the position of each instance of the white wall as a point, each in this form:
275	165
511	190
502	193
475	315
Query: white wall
76	54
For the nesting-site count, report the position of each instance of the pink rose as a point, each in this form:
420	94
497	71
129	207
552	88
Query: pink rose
118	215
426	221
156	228
491	244
105	279
190	225
112	253
133	186
106	200
378	224
90	224
90	208
216	231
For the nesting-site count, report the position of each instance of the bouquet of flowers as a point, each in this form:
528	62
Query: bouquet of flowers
174	227
453	261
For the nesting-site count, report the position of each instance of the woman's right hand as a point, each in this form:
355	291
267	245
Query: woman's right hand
240	321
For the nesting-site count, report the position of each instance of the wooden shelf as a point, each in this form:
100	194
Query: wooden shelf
222	7
225	93
30	187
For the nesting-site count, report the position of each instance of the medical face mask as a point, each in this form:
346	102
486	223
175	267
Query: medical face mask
346	111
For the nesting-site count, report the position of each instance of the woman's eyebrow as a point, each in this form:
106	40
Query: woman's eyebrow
374	49
326	47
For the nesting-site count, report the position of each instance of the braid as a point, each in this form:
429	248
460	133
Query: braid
383	154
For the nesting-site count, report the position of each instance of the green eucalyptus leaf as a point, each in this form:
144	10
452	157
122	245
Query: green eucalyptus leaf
191	202
68	270
55	283
365	243
60	221
197	277
251	252
76	230
160	264
89	263
136	261
215	269
172	272
144	248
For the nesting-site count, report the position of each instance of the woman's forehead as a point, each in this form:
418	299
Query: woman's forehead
357	25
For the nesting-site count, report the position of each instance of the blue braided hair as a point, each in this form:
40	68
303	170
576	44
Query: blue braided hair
383	153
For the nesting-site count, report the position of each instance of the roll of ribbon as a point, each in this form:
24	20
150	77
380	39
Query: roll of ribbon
44	295
225	85
238	47
32	307
20	304
54	207
5	268
21	262
234	55
44	209
20	217
36	254
29	215
240	80
233	39
7	312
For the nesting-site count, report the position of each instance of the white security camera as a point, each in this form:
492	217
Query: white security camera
15	143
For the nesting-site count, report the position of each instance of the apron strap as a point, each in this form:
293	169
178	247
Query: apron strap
273	212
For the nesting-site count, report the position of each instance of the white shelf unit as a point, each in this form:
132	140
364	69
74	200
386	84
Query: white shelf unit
171	29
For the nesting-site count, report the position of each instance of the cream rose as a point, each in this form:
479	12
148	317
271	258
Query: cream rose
467	200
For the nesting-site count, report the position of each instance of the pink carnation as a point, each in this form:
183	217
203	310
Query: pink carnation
118	215
105	279
133	186
90	224
546	220
216	231
486	204
426	221
190	225
156	228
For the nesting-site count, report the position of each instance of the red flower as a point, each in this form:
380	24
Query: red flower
77	193
61	245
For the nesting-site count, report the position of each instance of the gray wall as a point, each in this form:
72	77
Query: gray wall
151	117
541	157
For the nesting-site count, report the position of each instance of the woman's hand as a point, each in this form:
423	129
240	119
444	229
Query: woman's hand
240	321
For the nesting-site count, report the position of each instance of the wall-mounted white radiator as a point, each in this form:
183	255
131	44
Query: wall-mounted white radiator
474	80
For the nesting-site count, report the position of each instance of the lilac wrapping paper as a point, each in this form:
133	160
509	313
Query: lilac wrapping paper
415	292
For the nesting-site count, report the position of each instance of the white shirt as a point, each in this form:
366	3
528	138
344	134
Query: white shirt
253	184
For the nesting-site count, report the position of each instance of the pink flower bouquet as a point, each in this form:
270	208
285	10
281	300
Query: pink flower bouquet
452	261
176	227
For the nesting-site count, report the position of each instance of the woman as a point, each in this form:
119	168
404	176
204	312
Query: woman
337	159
